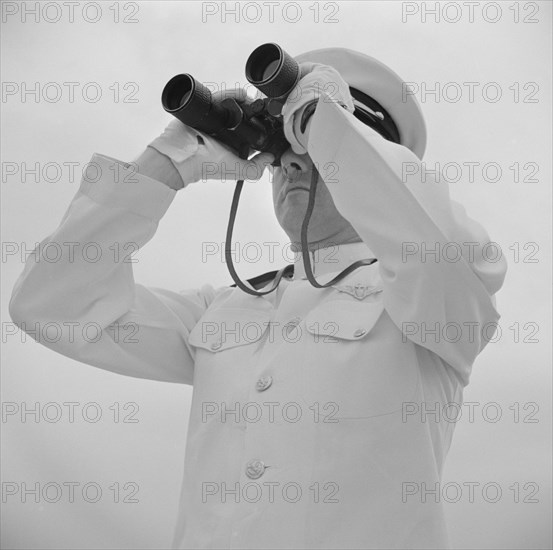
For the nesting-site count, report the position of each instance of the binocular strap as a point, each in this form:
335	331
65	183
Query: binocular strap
228	247
304	246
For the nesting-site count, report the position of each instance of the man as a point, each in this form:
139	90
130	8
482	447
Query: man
298	435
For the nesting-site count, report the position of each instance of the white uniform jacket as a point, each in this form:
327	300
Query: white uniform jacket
306	428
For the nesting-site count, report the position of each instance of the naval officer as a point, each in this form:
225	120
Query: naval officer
298	434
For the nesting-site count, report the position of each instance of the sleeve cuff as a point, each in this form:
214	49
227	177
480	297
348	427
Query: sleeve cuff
117	184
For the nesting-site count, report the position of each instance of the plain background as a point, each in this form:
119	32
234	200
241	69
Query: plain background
169	38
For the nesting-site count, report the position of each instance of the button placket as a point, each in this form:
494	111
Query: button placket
290	326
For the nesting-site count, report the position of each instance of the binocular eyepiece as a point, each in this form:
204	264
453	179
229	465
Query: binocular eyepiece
272	71
245	128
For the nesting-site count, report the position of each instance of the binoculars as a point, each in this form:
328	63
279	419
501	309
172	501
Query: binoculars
245	128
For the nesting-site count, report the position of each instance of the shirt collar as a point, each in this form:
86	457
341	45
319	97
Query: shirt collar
331	259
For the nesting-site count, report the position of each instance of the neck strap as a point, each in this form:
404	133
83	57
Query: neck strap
304	246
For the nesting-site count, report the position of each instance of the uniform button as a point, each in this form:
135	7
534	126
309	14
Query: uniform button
255	468
263	383
216	345
360	332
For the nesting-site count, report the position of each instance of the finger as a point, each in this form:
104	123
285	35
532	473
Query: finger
298	148
254	168
239	94
262	159
307	67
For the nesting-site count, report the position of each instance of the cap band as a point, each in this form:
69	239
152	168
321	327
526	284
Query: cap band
371	113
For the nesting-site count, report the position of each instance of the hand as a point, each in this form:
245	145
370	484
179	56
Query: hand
316	80
197	156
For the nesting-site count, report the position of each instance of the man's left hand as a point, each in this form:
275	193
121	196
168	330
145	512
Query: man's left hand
316	81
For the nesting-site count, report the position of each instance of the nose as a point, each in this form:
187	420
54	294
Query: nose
292	171
294	165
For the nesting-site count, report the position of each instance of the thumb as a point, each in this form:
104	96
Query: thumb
253	168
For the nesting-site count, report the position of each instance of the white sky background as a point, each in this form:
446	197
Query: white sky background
170	38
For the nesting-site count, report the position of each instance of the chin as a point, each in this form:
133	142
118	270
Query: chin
317	231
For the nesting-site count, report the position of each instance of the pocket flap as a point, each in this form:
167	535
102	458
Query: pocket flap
229	327
347	320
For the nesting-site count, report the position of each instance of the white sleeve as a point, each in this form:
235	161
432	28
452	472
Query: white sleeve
402	217
103	317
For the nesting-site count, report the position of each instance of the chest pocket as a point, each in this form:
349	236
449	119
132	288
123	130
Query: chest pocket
359	364
229	327
343	320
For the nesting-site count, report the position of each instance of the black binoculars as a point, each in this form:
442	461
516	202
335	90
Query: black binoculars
244	127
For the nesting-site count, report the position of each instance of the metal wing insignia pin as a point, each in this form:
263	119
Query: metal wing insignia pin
359	290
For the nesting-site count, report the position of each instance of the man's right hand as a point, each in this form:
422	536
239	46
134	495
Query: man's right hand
199	157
